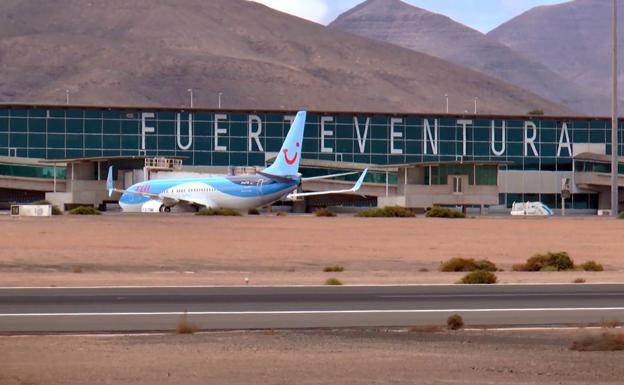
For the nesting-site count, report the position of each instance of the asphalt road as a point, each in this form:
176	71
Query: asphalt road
27	310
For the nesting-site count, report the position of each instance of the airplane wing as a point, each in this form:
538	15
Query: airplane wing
355	188
329	176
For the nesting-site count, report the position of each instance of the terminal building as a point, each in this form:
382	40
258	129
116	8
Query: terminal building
416	160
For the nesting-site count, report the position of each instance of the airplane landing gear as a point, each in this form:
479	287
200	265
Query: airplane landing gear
165	209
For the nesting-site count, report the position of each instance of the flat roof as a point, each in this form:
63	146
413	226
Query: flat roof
106	158
443	163
591	156
254	110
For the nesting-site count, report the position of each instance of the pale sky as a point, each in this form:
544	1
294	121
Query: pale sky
482	15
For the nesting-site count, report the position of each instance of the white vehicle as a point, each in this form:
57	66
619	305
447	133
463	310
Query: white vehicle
531	209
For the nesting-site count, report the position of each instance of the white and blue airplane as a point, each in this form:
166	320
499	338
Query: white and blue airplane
278	181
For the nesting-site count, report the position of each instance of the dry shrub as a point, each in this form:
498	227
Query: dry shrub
455	322
77	269
85	210
333	269
479	277
579	280
386	212
324	212
610	324
226	212
559	261
333	282
186	327
605	340
443	212
253	212
467	264
592	266
281	214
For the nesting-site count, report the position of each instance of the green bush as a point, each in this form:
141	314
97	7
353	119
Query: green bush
560	261
85	210
443	212
479	277
466	265
333	269
56	210
281	214
253	212
455	322
220	211
592	266
386	212
621	215
333	282
324	212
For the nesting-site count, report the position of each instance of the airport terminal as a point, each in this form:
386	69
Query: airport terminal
61	153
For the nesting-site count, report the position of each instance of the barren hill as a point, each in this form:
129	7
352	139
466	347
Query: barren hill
399	23
149	52
572	39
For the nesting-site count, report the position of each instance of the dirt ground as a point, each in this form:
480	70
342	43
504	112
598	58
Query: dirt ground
308	357
119	249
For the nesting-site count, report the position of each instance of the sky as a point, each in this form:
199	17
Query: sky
482	15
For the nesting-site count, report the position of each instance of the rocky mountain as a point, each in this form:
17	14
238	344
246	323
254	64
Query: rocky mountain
149	52
573	39
399	23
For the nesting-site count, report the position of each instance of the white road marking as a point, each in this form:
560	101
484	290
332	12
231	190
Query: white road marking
311	312
306	286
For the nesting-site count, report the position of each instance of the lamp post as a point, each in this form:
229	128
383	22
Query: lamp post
66	96
614	120
475	104
190	91
447	103
220	93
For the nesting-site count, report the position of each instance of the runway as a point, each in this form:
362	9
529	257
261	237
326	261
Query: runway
128	309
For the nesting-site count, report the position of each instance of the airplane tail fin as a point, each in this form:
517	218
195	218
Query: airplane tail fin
109	181
287	160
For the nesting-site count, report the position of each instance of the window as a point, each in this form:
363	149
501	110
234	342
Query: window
458	187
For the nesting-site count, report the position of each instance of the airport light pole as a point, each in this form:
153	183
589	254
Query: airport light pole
475	104
66	96
190	91
614	119
220	93
447	104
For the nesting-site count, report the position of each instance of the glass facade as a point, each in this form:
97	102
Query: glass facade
32	171
242	138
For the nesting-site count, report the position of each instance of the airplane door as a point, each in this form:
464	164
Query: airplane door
260	184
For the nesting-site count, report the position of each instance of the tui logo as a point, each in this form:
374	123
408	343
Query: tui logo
294	159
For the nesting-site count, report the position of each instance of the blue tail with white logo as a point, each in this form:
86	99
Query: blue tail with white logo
287	161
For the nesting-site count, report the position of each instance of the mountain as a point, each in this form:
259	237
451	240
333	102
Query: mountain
572	39
399	23
149	52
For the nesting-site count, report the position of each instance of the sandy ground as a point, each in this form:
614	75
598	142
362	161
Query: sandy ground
185	249
313	357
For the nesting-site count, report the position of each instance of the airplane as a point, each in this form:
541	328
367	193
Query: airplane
279	180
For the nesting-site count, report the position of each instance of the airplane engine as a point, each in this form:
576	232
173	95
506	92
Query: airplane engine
152	206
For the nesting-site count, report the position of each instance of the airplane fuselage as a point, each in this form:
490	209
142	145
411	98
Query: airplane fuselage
237	192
